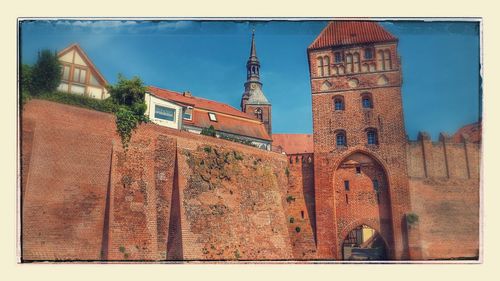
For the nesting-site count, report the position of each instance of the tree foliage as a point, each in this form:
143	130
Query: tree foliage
45	75
210	131
129	92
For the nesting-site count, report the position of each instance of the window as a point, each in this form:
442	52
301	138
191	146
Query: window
79	75
380	60
65	72
346	185
375	185
212	116
258	113
348	60
387	60
356	63
366	101
371	136
368	53
341	139
338	57
188	113
165	113
358	170
326	65
320	66
338	103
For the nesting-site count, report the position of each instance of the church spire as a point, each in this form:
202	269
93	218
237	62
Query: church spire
253	64
253	99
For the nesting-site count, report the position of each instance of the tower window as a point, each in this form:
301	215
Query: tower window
358	170
338	57
356	63
346	185
366	101
258	113
371	136
338	103
348	60
326	65
341	139
368	53
320	66
387	60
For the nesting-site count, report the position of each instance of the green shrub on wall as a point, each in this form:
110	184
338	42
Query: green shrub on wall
411	219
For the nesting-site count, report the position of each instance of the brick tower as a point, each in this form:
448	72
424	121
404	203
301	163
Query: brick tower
253	100
359	137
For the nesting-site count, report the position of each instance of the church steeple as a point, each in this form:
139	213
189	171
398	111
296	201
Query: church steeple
253	100
253	64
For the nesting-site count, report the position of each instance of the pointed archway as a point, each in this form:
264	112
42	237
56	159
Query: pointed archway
364	243
362	202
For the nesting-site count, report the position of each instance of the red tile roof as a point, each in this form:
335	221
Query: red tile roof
229	119
293	143
473	131
339	33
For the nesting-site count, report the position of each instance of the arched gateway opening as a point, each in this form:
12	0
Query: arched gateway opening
364	243
363	208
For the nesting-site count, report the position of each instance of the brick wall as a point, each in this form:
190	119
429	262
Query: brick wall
300	208
444	185
68	174
87	199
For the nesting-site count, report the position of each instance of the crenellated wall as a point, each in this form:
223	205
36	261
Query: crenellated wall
445	194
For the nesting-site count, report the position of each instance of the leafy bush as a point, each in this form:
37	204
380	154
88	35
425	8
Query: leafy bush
210	131
106	105
45	75
411	218
128	92
290	198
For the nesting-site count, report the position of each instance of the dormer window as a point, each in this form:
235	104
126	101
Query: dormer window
212	116
188	113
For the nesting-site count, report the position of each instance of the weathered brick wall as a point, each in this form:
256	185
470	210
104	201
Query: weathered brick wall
68	174
445	190
141	191
448	211
232	202
300	208
88	199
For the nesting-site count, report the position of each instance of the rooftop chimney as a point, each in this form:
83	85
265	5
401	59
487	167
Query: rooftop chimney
187	94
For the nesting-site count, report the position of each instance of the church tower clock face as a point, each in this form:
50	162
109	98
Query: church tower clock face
253	86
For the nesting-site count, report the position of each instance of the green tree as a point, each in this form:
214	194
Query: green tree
46	73
129	93
210	131
25	83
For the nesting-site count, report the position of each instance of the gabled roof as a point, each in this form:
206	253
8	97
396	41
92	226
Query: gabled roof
229	119
294	143
340	33
84	56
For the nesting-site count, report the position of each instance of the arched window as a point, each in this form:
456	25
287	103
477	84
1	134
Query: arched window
380	60
335	70
356	62
338	103
320	66
341	69
366	100
326	65
258	113
364	67
387	60
340	139
371	136
348	60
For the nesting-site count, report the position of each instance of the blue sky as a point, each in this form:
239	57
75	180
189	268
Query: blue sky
440	63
